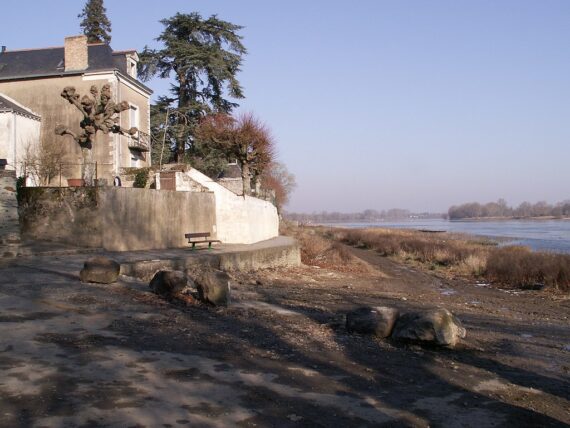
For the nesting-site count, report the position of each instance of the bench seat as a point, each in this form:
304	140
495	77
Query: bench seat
200	237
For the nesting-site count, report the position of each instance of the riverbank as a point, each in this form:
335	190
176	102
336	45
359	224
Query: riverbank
76	354
460	255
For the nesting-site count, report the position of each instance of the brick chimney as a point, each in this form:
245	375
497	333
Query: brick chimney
76	57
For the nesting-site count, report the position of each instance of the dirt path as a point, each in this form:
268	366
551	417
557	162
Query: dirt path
84	355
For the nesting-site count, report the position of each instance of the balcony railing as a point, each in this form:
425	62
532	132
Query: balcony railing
140	141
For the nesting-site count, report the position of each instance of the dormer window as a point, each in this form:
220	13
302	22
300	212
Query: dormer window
132	62
132	67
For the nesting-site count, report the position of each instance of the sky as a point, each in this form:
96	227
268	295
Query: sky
380	104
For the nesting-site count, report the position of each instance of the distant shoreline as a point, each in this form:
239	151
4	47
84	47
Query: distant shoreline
474	219
509	218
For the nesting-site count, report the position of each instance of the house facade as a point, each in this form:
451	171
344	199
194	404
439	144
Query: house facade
35	78
19	131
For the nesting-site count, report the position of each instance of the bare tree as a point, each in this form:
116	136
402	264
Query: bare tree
277	178
244	139
43	161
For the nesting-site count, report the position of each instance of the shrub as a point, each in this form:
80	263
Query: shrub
519	266
313	248
20	184
141	178
474	264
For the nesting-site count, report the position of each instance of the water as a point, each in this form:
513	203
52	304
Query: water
540	235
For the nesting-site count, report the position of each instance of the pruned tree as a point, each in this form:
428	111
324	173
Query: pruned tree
100	113
244	139
95	24
204	57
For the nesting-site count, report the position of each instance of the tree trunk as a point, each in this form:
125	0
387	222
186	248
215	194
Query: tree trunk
88	167
183	101
246	178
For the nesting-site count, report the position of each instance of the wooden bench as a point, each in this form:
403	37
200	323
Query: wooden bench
197	238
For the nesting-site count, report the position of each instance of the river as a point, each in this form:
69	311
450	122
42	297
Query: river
540	235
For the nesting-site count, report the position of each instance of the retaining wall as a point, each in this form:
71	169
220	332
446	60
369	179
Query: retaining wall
116	219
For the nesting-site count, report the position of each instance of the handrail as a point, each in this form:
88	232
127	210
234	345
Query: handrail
140	141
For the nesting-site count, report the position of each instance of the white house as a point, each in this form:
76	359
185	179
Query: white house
19	128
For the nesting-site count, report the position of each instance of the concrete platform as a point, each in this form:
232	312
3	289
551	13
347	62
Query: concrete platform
281	251
277	252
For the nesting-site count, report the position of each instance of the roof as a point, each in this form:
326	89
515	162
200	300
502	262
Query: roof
7	104
231	170
34	63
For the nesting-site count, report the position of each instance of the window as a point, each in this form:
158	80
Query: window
137	159
132	67
133	116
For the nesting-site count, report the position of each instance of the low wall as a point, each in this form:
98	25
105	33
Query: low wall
114	218
140	219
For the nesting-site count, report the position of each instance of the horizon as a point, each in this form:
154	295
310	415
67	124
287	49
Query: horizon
412	212
379	104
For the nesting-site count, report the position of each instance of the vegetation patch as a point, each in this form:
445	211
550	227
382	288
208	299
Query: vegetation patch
318	249
459	255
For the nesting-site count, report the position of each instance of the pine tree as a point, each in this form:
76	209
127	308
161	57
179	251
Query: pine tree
204	57
95	24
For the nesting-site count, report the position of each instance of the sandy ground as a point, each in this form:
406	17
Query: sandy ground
74	354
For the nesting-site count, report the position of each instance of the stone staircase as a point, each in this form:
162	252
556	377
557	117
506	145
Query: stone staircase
9	225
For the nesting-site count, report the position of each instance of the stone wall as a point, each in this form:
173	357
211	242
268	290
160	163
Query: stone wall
139	219
68	215
116	219
233	184
9	227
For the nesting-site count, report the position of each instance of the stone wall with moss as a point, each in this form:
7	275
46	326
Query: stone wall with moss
62	214
115	218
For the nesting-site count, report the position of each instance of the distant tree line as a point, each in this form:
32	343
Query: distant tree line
501	209
366	216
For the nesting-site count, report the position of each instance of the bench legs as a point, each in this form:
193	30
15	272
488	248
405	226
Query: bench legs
194	245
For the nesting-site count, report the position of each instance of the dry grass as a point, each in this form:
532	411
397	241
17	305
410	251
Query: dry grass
448	254
518	266
459	255
425	248
318	249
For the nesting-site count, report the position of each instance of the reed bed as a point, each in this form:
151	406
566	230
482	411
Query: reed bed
463	255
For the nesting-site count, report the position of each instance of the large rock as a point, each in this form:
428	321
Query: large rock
100	269
378	320
437	326
214	287
167	283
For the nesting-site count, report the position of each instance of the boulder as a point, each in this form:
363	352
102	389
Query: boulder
214	287
437	326
377	320
167	283
100	269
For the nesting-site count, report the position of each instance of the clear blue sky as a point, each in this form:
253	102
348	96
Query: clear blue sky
377	104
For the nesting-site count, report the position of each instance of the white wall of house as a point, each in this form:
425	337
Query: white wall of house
17	132
239	219
7	138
